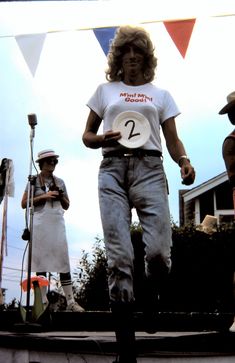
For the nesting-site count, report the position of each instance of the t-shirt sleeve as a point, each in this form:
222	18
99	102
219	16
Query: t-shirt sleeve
95	103
170	108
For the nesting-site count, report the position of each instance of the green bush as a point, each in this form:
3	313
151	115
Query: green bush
201	278
91	279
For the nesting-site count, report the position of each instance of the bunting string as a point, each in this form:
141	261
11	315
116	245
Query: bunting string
114	25
179	30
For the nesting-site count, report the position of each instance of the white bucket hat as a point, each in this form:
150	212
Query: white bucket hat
231	103
48	153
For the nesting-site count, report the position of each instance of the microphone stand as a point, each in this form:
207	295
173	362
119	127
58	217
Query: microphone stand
30	210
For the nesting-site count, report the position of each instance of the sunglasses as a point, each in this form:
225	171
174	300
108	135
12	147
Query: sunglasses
51	161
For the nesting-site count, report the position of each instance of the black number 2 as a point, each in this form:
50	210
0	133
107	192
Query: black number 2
132	134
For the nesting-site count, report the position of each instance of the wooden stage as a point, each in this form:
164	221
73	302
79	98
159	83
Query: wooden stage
63	337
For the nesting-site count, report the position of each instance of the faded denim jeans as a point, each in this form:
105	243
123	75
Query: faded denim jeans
124	183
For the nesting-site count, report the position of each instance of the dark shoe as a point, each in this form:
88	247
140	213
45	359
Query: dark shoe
125	359
150	322
150	307
123	319
150	313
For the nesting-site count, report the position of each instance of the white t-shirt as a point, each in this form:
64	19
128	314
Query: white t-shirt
156	104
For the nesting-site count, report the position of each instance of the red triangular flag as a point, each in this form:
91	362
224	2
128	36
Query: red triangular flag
180	32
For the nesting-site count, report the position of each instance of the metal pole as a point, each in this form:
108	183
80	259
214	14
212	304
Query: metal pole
30	209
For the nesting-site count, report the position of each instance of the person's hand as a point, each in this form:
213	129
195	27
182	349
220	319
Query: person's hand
110	138
187	174
42	198
52	194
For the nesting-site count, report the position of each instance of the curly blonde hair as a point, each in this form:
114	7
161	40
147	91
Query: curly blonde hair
128	35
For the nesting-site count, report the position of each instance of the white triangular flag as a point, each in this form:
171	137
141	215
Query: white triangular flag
31	47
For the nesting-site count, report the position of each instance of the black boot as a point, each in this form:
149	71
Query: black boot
153	289
125	333
150	307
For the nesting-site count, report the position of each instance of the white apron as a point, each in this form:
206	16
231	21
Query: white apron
49	243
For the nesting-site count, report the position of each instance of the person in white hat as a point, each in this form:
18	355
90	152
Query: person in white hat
133	176
228	147
49	242
228	152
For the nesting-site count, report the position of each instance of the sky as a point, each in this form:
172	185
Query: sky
71	65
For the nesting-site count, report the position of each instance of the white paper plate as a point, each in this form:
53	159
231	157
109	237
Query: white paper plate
134	127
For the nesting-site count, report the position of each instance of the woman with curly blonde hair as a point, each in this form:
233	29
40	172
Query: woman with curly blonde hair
138	38
131	174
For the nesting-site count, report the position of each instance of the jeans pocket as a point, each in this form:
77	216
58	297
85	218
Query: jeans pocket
152	162
105	162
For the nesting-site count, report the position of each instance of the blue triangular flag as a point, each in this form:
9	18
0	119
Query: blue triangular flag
104	37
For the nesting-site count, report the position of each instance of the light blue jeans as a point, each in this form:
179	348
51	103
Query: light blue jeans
124	183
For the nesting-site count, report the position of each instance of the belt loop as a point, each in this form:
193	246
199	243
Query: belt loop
139	154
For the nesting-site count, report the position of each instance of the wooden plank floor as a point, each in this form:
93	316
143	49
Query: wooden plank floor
91	347
64	337
102	321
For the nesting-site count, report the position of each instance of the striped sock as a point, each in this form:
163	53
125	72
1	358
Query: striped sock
68	291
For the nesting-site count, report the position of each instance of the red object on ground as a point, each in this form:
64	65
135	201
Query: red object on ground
42	281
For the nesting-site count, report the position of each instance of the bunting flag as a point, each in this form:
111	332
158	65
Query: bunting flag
104	37
180	32
31	47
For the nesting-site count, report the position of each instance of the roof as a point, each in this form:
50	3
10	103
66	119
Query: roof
204	187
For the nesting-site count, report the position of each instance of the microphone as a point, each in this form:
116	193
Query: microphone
32	118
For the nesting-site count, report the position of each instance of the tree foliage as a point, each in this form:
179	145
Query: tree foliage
91	279
200	279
